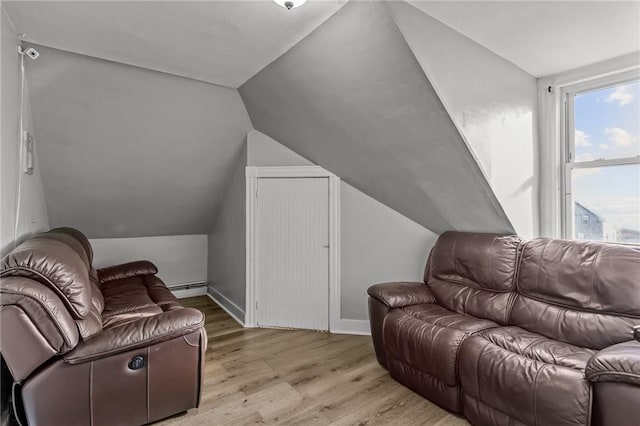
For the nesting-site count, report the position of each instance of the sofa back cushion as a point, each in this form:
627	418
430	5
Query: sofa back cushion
55	264
92	323
80	237
580	292
474	273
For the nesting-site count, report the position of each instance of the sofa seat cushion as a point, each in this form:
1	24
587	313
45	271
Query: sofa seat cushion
160	293
126	300
525	376
539	348
427	337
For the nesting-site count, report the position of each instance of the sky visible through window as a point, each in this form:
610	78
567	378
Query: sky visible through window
607	126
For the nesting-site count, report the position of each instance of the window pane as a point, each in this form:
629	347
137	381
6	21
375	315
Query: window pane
606	203
607	123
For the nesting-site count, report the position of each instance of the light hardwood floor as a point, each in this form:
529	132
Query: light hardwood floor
267	376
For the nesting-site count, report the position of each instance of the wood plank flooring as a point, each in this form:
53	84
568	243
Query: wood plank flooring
267	376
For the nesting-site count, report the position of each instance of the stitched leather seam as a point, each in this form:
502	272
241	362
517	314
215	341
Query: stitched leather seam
593	376
478	368
384	302
382	333
546	246
475	330
115	276
393	358
147	342
129	309
573	308
557	324
37	327
471	284
516	278
490	257
466	302
112	277
457	361
414	315
189	343
534	394
51	285
453	255
593	273
489	406
380	298
535	342
511	302
49	313
518	261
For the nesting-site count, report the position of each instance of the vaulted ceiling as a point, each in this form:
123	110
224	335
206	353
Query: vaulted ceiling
138	120
227	42
545	37
374	119
220	42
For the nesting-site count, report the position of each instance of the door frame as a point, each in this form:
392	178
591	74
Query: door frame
252	175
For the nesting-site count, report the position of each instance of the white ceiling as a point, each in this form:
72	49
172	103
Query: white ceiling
227	42
545	37
220	42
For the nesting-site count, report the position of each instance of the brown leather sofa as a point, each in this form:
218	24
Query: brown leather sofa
510	332
94	347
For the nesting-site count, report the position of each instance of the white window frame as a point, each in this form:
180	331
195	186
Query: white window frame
567	96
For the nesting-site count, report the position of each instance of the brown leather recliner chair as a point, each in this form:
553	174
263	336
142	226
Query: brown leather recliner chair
100	347
517	333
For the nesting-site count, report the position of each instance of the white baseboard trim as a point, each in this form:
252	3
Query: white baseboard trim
350	326
189	292
221	301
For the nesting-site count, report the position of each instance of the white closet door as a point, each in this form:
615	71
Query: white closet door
293	253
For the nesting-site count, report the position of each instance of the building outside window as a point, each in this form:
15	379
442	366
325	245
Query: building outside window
602	161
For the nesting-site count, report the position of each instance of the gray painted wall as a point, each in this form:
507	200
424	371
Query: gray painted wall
493	104
265	151
33	212
181	259
226	253
352	98
128	152
378	245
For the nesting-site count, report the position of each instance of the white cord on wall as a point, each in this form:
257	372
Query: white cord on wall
20	149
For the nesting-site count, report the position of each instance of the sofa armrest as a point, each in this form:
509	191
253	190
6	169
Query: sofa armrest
126	270
617	363
399	294
141	333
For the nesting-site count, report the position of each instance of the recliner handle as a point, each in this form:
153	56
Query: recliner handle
636	332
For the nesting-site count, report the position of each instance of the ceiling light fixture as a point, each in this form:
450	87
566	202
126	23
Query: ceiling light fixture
290	4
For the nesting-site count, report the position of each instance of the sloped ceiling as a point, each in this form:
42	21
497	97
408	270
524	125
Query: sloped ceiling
493	103
545	37
126	151
221	42
227	42
129	152
352	98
